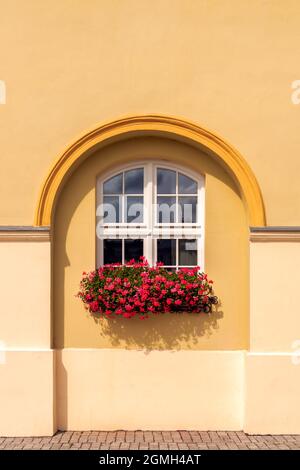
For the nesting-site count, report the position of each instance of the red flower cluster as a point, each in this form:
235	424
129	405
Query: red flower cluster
136	289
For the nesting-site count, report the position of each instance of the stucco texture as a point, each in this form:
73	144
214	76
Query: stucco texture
227	65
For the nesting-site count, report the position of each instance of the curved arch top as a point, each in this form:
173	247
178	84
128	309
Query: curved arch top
152	123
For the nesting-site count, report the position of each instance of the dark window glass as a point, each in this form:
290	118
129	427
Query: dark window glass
114	185
133	249
112	251
187	252
186	185
112	209
187	209
166	252
134	209
166	181
134	181
166	209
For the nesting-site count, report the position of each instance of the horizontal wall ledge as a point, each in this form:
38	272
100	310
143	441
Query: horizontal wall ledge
43	233
275	234
21	233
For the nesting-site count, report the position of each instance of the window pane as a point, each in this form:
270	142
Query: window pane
187	209
114	185
112	251
166	252
166	181
186	185
133	249
187	252
134	181
166	209
112	209
134	209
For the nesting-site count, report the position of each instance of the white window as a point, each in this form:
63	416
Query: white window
153	210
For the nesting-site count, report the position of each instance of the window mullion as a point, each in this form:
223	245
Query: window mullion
124	200
148	201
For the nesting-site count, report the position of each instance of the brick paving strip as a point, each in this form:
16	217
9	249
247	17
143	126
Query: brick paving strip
148	440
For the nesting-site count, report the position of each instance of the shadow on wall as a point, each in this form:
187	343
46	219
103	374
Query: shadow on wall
164	331
226	259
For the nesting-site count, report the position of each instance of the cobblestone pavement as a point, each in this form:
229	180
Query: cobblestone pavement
147	440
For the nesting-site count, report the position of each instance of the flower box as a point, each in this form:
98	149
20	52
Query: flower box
136	289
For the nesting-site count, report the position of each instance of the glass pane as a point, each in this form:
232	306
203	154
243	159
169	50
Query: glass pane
133	249
187	252
187	209
135	209
114	185
134	181
166	252
112	209
166	181
112	251
186	185
166	209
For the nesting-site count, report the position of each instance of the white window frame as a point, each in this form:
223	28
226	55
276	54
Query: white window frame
149	230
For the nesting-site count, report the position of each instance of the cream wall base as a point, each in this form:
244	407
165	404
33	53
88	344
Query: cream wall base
274	301
119	389
27	393
272	374
164	390
25	314
272	394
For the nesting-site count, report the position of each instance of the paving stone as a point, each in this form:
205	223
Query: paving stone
163	446
167	437
176	436
186	437
102	436
148	436
135	446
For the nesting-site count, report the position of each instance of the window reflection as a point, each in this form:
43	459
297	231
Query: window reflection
187	252
112	251
134	181
186	185
166	252
166	181
134	209
113	185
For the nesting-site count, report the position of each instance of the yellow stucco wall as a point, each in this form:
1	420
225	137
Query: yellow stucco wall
226	257
72	64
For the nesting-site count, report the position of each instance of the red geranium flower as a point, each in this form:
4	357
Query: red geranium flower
136	289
